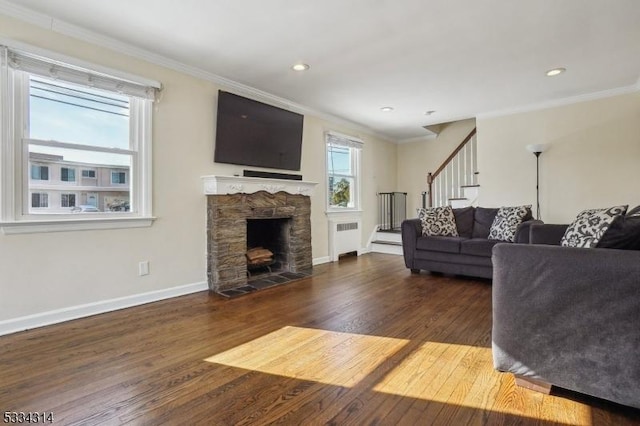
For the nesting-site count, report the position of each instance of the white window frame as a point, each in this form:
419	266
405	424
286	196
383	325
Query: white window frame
15	171
355	145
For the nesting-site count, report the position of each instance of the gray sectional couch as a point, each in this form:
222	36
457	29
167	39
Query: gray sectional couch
468	254
569	317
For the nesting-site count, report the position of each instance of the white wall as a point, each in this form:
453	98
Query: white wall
593	158
417	159
46	272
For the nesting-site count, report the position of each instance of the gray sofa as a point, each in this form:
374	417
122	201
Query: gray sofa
568	317
469	254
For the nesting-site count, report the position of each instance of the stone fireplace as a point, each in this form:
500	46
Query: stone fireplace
243	213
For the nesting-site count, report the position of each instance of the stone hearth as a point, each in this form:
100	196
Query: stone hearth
227	215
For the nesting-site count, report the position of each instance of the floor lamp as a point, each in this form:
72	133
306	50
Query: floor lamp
537	149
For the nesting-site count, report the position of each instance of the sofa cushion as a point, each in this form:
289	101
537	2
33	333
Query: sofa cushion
438	221
448	258
623	233
590	226
482	221
442	244
478	247
464	221
506	222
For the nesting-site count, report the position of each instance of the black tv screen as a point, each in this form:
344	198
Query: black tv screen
251	133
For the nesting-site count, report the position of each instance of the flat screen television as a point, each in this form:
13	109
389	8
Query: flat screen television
251	133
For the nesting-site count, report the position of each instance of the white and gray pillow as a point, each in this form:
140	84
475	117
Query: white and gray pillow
590	226
438	221
506	222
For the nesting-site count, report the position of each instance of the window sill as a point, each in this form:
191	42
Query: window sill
345	212
86	224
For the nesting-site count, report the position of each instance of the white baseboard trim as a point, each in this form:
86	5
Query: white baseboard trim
327	259
74	312
321	260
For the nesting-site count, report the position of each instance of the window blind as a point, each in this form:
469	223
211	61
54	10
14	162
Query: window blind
338	139
39	65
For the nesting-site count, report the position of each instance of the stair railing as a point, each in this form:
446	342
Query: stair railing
392	208
456	172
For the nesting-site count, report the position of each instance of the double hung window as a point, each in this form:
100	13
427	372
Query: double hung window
60	119
343	172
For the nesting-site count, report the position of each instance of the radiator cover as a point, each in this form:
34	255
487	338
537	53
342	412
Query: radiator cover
345	235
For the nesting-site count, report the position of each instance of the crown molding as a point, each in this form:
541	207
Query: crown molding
562	102
85	35
24	14
425	138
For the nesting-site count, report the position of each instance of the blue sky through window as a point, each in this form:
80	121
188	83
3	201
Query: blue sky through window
339	160
70	113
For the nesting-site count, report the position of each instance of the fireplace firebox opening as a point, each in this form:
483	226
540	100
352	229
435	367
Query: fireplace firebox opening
268	245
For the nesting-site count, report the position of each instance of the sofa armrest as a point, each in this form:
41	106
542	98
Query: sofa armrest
411	230
523	231
569	317
549	234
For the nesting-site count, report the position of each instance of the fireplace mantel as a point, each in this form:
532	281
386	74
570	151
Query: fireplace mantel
223	185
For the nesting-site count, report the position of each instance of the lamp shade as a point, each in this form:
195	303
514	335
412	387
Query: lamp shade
537	147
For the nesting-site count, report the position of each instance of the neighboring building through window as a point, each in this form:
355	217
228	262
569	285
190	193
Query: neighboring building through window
89	174
98	191
343	170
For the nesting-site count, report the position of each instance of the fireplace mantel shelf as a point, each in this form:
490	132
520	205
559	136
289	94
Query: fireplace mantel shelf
222	185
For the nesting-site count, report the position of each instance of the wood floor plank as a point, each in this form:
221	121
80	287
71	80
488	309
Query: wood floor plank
362	341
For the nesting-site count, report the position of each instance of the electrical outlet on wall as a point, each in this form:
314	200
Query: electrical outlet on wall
143	268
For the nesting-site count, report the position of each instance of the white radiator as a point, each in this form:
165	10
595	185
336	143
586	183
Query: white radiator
345	236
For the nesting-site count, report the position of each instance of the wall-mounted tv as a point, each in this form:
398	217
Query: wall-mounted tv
251	133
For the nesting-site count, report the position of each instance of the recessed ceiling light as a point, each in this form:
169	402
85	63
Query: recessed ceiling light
429	112
555	71
300	67
386	109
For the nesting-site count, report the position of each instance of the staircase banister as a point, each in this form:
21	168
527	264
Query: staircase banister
453	154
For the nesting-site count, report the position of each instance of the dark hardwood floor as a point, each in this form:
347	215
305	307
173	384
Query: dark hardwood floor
360	342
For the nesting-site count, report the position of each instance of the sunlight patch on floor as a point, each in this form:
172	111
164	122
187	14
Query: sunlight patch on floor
330	357
463	375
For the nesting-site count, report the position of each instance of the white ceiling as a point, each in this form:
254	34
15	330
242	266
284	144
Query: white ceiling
461	58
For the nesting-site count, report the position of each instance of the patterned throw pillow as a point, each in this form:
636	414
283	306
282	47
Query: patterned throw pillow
506	223
590	226
438	221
